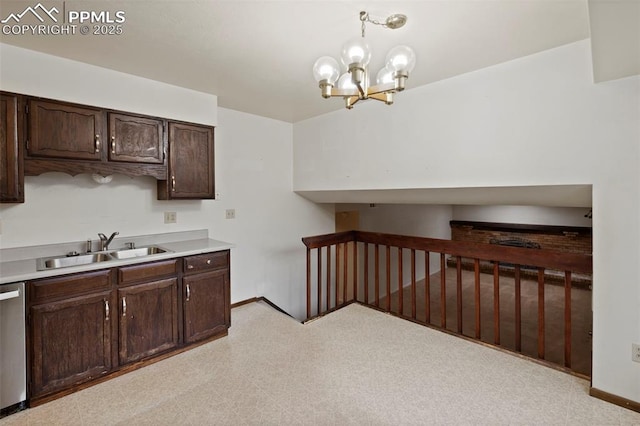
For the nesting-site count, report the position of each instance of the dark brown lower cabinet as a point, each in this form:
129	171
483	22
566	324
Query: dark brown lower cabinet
100	323
71	341
205	305
148	320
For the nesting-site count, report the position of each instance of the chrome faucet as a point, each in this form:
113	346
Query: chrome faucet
104	241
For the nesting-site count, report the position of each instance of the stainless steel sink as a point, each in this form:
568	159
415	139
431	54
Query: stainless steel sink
89	258
137	252
66	261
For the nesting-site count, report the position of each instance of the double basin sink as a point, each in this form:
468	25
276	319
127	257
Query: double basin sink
65	261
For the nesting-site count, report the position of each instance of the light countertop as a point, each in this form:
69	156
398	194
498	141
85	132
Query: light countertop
19	264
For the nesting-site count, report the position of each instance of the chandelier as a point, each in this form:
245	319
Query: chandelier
354	84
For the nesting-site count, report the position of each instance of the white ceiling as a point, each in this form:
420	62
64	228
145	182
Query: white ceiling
257	56
547	195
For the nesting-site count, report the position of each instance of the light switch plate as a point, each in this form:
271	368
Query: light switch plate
170	217
635	352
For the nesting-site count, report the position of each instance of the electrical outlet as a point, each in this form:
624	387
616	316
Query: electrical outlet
635	352
170	217
230	214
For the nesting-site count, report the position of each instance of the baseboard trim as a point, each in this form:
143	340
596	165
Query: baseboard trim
244	302
261	299
615	399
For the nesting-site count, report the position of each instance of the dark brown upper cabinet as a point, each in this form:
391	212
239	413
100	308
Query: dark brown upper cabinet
136	139
191	163
60	130
11	173
44	135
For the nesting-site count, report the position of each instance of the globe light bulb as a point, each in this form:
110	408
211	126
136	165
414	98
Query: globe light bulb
326	68
384	76
356	50
345	82
401	59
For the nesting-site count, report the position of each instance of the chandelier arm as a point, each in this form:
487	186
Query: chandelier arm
382	88
343	93
379	96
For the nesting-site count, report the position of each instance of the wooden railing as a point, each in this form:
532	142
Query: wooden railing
374	269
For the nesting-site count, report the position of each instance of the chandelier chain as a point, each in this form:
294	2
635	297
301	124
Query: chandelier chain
364	18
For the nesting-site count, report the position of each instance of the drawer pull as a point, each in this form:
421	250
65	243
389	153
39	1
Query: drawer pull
188	292
190	267
208	261
106	310
124	307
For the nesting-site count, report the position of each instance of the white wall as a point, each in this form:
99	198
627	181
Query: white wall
538	120
532	215
421	220
253	175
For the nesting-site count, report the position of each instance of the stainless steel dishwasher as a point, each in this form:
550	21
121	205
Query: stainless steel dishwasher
13	368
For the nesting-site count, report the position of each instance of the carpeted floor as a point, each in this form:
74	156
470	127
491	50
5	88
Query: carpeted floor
354	366
581	314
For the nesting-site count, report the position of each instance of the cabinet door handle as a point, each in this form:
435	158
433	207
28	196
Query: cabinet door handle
190	267
188	292
173	184
124	306
113	144
97	143
208	261
106	310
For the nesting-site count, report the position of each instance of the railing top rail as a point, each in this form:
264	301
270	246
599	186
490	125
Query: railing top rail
329	239
548	259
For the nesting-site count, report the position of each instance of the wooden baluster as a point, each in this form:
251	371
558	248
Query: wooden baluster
366	273
567	319
345	271
400	283
308	283
496	303
413	284
355	271
328	278
459	292
443	292
541	313
388	264
377	275
427	288
518	311
319	280
476	269
337	298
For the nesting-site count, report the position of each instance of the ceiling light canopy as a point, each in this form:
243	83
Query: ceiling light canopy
354	83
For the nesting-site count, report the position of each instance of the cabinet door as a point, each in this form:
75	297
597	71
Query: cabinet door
191	162
11	174
148	319
60	130
70	341
136	139
206	305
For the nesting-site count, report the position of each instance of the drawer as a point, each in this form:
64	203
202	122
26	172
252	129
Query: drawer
128	274
69	285
206	262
